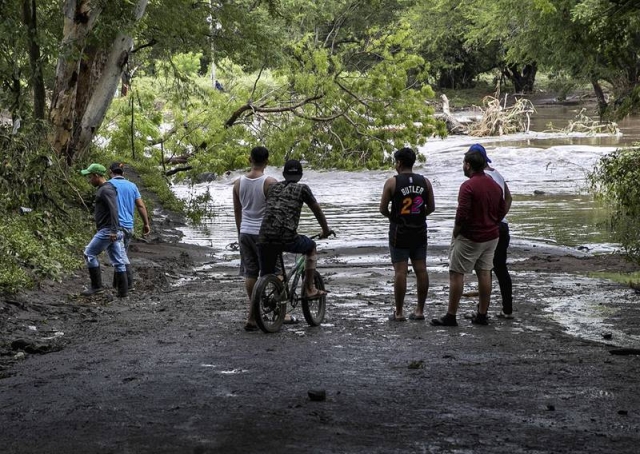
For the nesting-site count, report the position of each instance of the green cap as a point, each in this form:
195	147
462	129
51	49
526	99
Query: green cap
98	169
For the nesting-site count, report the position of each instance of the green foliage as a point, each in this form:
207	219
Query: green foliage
36	246
314	109
444	31
45	240
561	84
616	180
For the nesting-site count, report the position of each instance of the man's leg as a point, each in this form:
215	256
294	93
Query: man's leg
460	259
119	260
422	281
483	266
310	263
250	268
501	271
128	235
484	289
249	284
400	286
98	243
456	284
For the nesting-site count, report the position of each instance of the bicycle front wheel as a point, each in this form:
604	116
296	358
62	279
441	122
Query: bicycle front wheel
268	307
314	309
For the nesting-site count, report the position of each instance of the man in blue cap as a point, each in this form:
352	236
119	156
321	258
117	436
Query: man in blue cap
500	256
109	235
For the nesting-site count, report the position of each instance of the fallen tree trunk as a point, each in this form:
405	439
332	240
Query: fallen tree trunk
454	126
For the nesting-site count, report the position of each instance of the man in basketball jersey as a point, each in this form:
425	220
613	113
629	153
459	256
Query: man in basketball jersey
411	198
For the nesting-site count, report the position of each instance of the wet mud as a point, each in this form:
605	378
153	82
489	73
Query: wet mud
170	369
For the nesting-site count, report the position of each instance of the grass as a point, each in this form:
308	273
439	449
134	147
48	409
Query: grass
630	279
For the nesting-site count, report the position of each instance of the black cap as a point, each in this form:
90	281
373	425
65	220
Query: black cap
292	170
117	167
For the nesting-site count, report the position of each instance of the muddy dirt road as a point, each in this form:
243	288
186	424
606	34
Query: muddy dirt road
171	370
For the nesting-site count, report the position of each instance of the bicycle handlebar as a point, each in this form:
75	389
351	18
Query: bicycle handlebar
319	236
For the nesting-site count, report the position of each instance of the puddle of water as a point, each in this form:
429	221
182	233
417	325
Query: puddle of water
233	371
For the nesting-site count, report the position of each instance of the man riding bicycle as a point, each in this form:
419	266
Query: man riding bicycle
279	229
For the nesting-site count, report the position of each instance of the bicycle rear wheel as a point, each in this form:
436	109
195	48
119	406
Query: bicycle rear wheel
314	309
268	307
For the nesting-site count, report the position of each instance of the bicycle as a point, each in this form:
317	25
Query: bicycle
272	294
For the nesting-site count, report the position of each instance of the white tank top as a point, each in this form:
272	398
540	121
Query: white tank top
495	175
253	202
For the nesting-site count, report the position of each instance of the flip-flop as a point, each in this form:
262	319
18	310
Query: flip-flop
393	318
413	316
250	327
291	321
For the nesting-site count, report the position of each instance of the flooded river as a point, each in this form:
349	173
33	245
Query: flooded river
546	172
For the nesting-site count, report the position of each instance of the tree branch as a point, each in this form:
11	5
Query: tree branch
149	44
173	171
249	106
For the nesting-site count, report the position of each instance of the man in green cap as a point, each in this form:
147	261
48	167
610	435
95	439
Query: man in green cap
109	235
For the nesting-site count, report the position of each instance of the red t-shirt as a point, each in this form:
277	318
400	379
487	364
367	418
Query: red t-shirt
480	208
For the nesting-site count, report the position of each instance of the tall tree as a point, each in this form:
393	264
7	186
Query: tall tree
30	19
94	52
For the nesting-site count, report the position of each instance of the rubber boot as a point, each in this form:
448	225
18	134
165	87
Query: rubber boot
96	282
129	277
121	282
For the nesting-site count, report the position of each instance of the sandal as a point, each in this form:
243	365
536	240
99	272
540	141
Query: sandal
250	327
393	318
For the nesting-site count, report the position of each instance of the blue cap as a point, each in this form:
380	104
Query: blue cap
480	149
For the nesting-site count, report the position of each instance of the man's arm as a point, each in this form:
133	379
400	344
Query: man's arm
507	198
237	206
111	199
322	220
142	210
268	182
463	210
387	194
431	203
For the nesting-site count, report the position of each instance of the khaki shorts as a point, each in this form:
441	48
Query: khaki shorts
466	255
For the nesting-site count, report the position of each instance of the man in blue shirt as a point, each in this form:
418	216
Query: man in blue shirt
128	198
108	235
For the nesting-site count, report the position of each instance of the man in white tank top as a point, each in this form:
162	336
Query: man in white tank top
500	255
249	201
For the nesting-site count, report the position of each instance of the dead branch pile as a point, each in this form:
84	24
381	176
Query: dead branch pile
498	119
584	124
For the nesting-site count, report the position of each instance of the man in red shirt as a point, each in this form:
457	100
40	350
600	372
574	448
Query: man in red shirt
481	207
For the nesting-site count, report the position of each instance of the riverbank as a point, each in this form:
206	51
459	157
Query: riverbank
170	368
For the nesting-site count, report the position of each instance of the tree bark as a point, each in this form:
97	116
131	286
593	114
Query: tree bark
29	18
86	78
522	81
602	100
